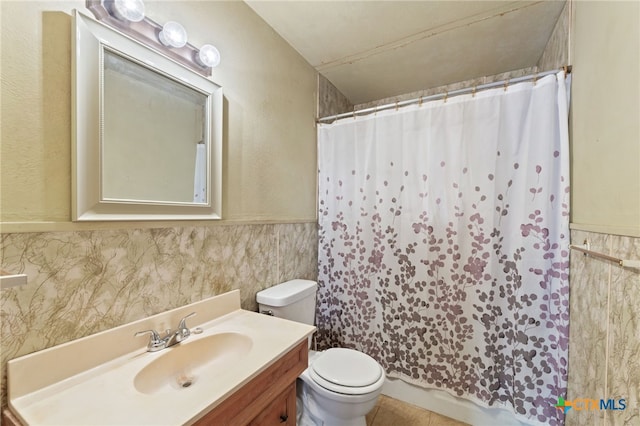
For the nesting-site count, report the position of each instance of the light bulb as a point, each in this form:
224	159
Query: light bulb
129	10
173	34
208	56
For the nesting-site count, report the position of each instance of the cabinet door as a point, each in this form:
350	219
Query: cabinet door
281	411
257	397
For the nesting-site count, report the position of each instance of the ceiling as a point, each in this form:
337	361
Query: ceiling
373	50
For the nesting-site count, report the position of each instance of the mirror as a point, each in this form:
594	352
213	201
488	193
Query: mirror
147	132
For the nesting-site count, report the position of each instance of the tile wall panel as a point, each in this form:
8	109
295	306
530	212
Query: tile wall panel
624	334
556	53
588	292
330	100
604	347
298	258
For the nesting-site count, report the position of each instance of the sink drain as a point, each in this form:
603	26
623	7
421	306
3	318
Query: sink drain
184	381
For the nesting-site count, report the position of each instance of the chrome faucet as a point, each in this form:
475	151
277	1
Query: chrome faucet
171	337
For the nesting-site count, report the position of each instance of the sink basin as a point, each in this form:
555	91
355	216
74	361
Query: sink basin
183	365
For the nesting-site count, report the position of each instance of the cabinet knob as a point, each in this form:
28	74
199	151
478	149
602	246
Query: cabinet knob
283	418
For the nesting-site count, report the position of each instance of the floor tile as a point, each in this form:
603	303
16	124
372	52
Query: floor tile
392	412
372	414
438	420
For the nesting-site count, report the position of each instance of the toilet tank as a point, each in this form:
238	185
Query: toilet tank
294	300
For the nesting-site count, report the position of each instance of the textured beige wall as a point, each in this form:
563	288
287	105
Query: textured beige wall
605	117
270	107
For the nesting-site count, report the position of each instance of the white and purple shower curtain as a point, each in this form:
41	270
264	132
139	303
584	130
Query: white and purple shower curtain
444	240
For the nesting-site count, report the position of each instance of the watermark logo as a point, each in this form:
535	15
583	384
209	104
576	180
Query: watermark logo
588	404
563	405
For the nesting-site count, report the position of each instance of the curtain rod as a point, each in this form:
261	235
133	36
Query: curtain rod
566	69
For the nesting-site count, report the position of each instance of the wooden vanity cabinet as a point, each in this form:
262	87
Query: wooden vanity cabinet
9	419
268	399
281	411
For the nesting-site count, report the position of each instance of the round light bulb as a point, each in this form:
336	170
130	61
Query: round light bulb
130	10
173	34
208	56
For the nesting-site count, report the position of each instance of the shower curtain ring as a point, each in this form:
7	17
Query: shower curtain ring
446	96
506	84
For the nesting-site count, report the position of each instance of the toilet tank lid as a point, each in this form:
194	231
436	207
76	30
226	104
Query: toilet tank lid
286	293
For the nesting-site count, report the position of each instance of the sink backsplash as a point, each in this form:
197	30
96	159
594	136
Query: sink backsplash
83	282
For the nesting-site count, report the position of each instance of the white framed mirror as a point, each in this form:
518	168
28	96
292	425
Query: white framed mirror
147	132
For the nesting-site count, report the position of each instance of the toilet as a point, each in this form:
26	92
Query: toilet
340	386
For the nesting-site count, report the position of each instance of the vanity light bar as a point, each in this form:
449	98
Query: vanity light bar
170	39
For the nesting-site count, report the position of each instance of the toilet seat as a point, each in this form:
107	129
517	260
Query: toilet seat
346	371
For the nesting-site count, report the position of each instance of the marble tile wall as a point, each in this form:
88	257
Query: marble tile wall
604	347
330	100
83	282
556	53
449	87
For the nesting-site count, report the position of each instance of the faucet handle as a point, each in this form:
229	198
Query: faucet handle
155	343
183	331
183	321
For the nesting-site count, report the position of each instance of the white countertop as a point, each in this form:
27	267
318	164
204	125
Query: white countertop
105	394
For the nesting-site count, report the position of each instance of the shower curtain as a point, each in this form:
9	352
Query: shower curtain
443	244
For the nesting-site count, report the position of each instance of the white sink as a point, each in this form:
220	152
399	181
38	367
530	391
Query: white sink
183	365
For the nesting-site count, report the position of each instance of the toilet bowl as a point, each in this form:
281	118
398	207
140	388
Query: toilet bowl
340	386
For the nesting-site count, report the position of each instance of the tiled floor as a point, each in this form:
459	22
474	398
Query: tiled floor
391	412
